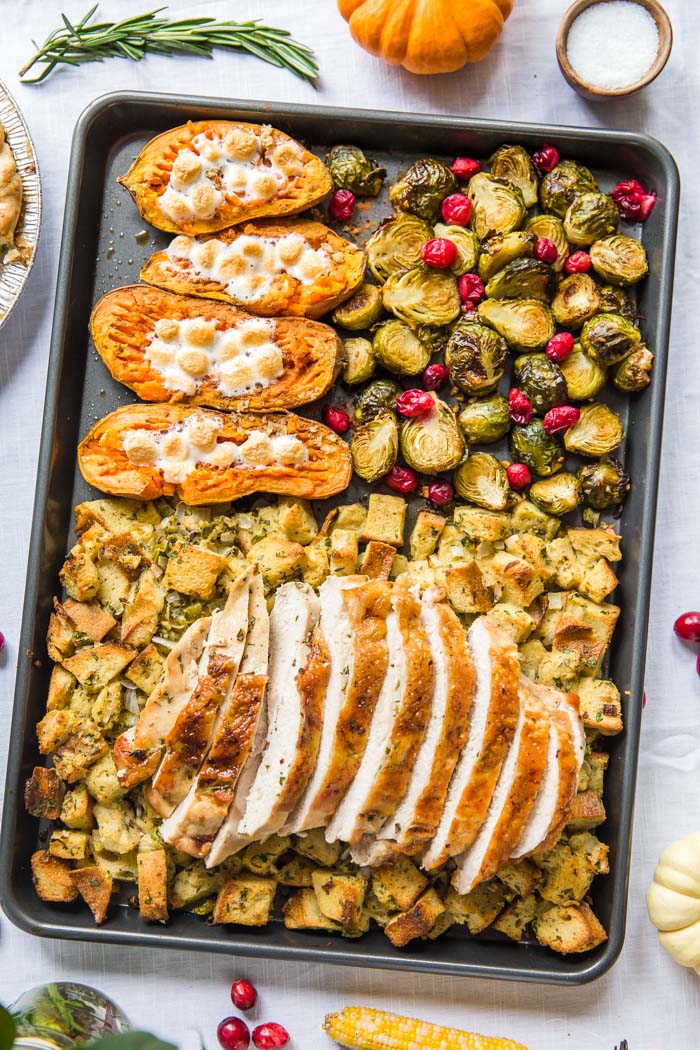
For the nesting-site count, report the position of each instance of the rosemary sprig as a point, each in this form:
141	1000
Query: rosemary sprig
72	44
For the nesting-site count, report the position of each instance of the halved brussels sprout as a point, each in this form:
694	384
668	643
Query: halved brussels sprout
541	380
584	376
523	279
598	431
498	206
434	336
475	356
603	484
614	301
422	296
589	217
485	420
467	244
526	324
422	189
499	249
556	495
634	373
577	300
560	185
482	480
351	170
552	228
359	361
609	338
432	443
513	164
361	310
374	446
538	450
398	349
396	245
620	260
380	394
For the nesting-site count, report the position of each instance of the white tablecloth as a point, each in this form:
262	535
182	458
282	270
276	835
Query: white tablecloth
645	998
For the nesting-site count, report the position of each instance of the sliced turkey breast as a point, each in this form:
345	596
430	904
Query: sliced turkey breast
492	724
513	797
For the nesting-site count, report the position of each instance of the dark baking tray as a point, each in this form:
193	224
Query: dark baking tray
99	251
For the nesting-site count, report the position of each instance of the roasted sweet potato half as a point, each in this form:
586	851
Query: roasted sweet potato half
210	174
292	266
147	451
168	347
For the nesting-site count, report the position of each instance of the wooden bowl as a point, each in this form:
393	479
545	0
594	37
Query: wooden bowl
663	24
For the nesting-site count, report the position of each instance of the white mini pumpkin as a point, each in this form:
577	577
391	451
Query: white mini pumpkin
673	901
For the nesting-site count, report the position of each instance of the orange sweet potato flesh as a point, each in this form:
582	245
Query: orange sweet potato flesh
123	323
148	178
285	294
104	464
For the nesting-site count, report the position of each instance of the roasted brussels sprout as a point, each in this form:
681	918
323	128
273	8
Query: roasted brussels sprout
482	480
538	450
380	394
467	244
577	300
422	189
498	206
432	443
499	249
374	446
560	185
552	228
556	495
523	279
614	301
485	420
396	245
361	310
475	356
598	431
541	380
359	361
634	373
609	338
422	296
620	260
398	349
584	376
526	324
603	484
434	336
589	217
351	170
514	165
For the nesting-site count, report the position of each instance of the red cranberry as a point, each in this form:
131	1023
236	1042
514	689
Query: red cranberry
440	493
233	1034
559	346
439	253
465	167
269	1036
687	627
578	262
342	204
414	403
561	418
335	418
2	641
457	209
644	695
633	201
545	250
401	479
519	476
471	290
243	995
519	407
546	158
435	377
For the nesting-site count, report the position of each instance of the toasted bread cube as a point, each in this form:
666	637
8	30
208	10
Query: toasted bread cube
597	763
54	729
518	580
532	549
425	534
302	912
569	928
69	845
559	669
587	812
484	525
152	867
515	621
81	704
585	628
399	884
569	867
340	897
81	750
516	917
79	576
598	581
423	573
313	844
386	518
117	831
520	877
377	910
548	624
115	515
61	686
76	811
114	588
315	567
60	637
193	570
101	781
89	618
296	872
297	520
121	866
95	887
124	550
96	665
278	559
529	518
260	857
194	884
465	589
478	908
565	563
343	552
360	926
107	707
455	547
532	653
417	921
592	544
142	610
398	566
52	877
592	850
145	671
600	705
378	560
442	925
350	516
245	900
43	793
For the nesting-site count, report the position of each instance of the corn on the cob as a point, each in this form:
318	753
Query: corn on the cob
361	1028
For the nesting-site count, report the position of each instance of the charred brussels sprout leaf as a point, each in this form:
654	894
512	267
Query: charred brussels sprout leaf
398	349
475	357
598	432
361	310
422	296
351	170
359	361
396	245
380	394
433	442
584	376
560	185
603	484
609	338
467	244
499	249
374	446
498	206
422	189
552	228
538	450
523	279
556	495
577	300
433	336
634	373
485	420
482	480
526	324
620	260
614	301
589	217
514	165
541	380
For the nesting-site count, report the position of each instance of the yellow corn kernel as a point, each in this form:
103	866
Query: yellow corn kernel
361	1028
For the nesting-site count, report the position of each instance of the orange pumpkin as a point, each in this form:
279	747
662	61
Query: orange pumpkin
426	36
